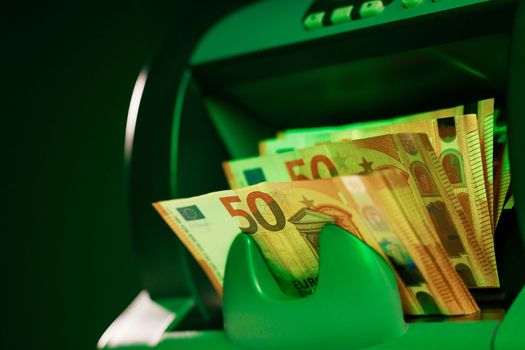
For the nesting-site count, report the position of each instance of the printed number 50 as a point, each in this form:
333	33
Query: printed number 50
314	167
257	217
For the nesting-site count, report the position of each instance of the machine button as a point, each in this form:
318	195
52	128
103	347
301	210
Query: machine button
342	14
314	20
371	8
411	3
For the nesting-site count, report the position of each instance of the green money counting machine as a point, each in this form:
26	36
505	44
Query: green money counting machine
276	65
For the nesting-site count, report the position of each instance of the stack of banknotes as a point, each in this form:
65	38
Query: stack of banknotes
425	191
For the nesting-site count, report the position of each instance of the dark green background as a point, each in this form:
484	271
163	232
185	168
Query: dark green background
68	73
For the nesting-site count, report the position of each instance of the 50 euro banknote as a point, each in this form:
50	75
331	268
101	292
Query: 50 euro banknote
456	140
413	156
463	142
285	220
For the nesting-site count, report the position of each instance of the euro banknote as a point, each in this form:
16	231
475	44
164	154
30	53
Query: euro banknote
411	154
285	220
456	141
502	175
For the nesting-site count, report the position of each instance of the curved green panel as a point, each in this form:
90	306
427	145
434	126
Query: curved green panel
356	303
510	334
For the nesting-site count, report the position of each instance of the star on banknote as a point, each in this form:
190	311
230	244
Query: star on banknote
308	203
340	161
366	165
